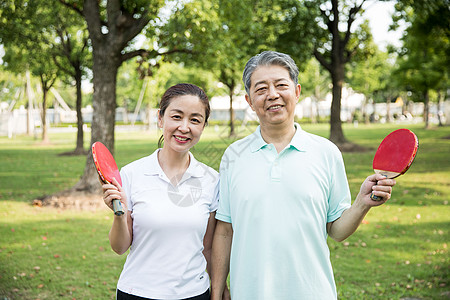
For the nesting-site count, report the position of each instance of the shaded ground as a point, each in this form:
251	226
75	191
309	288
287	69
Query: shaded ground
70	199
351	147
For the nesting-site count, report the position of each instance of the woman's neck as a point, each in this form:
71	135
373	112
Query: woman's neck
174	164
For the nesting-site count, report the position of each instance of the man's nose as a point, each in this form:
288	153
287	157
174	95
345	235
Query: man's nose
273	92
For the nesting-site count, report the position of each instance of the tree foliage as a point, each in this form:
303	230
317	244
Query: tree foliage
49	41
424	59
324	28
223	35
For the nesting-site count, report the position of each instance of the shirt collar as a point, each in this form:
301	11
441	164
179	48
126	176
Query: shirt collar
258	142
153	167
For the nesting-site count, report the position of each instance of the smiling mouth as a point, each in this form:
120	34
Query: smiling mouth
275	107
181	139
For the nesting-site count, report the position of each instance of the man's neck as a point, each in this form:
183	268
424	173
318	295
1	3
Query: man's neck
279	135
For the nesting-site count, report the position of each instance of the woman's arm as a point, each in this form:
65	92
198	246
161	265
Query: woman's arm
121	233
207	240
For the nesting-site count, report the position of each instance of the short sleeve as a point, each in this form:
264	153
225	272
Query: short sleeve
339	198
126	186
215	201
223	212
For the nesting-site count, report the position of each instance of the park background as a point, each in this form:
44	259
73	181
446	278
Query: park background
75	72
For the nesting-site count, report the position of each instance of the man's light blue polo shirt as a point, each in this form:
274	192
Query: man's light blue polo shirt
279	205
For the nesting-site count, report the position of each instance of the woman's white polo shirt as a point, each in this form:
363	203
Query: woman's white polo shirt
169	223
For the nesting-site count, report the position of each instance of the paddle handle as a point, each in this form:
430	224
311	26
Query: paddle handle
117	206
375	198
386	174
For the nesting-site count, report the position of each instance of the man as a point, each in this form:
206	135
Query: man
282	191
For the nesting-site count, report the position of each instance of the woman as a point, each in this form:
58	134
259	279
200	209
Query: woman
170	200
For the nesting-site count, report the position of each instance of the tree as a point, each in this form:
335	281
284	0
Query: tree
62	40
112	26
315	84
223	35
41	67
21	32
326	28
369	72
424	58
72	57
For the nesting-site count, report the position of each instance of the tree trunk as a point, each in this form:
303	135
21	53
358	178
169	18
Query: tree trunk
365	110
45	138
232	132
374	113
80	134
388	110
336	133
440	112
426	109
30	121
105	69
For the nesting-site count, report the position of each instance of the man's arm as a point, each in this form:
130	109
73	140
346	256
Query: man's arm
350	219
221	250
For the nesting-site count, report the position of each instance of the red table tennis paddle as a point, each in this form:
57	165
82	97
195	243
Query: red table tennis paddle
395	154
107	170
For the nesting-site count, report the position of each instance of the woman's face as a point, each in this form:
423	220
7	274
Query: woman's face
182	123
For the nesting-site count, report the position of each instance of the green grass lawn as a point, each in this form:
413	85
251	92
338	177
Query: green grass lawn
400	250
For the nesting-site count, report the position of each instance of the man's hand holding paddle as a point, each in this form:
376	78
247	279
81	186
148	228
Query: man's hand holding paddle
392	159
375	185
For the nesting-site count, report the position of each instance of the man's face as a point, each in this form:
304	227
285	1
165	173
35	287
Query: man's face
273	95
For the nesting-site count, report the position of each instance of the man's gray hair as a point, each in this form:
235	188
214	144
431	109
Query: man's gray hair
269	58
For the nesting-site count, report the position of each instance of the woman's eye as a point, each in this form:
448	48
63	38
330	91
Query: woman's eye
176	117
196	120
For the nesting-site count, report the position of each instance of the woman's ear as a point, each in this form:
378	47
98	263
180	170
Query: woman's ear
160	121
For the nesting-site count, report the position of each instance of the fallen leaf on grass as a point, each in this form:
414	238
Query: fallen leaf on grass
56	256
40	286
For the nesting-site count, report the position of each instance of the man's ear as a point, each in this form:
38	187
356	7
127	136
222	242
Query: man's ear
249	101
298	90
